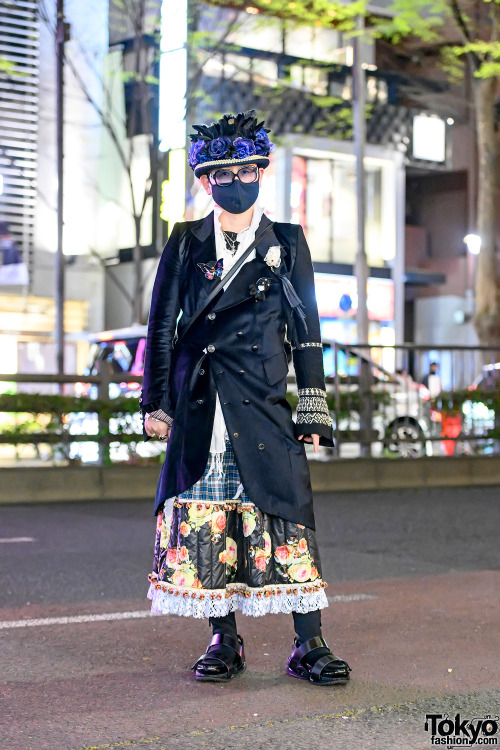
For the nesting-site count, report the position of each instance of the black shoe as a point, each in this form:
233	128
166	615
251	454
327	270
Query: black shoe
223	659
301	665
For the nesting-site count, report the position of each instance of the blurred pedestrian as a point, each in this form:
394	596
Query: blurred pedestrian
12	269
235	527
404	375
10	252
432	380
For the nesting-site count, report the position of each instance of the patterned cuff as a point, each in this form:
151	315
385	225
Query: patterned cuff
161	416
307	344
312	407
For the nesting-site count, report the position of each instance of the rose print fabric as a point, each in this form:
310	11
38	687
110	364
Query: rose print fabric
214	557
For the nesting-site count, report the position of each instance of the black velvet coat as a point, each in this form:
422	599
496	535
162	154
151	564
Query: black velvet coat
235	348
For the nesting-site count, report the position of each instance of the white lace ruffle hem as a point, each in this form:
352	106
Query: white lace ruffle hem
173	602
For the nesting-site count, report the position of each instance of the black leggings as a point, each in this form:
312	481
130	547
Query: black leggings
306	625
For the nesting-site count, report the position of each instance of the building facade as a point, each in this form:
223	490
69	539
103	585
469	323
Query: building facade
28	167
201	61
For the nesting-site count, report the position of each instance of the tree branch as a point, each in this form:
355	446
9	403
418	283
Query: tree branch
474	59
21	170
494	23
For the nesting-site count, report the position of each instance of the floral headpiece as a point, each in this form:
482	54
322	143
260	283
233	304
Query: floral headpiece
234	139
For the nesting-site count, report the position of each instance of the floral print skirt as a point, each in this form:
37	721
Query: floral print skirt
216	552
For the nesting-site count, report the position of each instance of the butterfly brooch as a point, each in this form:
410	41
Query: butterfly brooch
212	270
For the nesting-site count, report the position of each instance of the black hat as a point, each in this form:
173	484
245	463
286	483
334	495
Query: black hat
232	140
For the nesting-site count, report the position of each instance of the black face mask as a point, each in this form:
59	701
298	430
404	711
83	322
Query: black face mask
236	198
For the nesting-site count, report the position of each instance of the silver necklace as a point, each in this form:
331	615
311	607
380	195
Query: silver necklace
232	245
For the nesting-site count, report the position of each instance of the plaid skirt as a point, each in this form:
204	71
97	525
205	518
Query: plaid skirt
216	552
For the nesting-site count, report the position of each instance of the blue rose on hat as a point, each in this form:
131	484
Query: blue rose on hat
243	147
262	143
219	147
196	155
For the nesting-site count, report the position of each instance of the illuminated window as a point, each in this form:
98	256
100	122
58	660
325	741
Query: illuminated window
429	138
323	200
173	75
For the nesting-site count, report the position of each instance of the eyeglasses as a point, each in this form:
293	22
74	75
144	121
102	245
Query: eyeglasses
224	177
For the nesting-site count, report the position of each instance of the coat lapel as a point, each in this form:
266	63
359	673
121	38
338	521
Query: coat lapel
203	251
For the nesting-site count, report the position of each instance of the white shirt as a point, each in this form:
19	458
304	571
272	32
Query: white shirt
434	385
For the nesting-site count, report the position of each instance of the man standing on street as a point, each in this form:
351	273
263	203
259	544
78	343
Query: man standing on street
235	528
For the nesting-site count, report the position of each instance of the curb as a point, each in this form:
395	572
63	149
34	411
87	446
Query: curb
69	484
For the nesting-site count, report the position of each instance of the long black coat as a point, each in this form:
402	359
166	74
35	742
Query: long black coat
244	361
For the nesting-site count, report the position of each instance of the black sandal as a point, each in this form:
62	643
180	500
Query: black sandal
215	665
297	665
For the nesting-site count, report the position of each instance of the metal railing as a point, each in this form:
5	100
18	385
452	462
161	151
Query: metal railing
381	402
65	437
387	402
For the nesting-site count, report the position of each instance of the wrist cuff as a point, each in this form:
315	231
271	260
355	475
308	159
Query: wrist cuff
161	415
312	407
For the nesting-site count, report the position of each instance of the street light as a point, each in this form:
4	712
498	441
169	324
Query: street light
473	243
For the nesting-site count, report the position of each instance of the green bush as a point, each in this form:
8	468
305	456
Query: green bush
44	414
44	417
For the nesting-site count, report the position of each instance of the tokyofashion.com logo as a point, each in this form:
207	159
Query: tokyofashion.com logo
457	732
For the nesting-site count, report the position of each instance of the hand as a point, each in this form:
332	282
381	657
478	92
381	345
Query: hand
157	428
314	439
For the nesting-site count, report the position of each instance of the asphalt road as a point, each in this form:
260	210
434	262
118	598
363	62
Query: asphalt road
414	587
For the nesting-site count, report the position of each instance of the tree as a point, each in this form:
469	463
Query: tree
137	24
466	46
469	46
140	17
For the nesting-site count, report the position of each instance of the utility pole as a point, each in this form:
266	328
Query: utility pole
359	106
361	263
59	259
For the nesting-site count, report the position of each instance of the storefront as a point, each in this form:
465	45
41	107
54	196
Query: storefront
337	299
323	200
27	325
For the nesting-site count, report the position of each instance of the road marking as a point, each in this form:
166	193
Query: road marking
4	624
70	620
351	597
11	539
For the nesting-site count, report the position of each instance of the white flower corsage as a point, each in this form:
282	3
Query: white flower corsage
273	256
